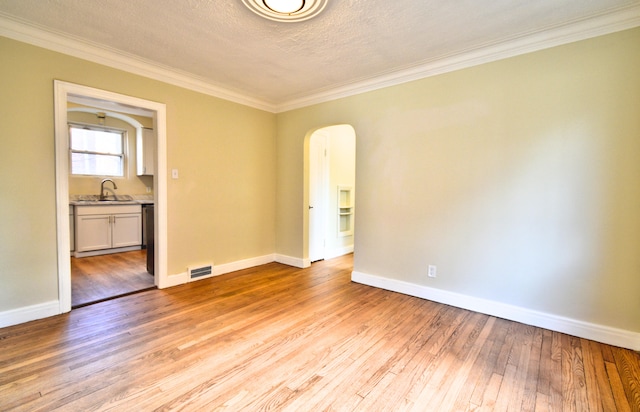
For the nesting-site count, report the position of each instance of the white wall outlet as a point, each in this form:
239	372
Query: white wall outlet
174	173
432	271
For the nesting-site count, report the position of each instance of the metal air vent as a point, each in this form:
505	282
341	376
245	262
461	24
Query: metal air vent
200	272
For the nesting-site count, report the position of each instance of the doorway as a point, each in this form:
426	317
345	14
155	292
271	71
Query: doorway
106	101
97	272
331	206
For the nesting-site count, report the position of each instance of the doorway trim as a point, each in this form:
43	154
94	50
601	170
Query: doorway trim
306	261
62	92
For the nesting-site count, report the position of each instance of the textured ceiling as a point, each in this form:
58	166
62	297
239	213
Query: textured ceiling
224	44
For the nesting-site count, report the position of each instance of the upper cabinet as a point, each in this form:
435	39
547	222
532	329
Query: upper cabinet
146	152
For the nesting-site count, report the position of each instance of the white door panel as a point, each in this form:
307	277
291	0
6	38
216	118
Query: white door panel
317	196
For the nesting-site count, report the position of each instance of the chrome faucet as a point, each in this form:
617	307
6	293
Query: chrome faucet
102	195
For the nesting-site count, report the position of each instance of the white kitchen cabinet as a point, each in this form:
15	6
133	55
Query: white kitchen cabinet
127	230
146	152
72	231
93	232
107	229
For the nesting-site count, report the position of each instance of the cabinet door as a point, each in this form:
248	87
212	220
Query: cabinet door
93	232
146	152
72	229
127	230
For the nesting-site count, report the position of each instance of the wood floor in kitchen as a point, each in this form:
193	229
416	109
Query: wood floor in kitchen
96	278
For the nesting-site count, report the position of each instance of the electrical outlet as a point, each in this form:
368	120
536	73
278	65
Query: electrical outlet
432	271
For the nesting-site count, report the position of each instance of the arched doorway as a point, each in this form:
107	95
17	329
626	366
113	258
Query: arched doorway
331	195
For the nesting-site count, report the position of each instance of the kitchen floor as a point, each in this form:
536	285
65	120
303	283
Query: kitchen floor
98	278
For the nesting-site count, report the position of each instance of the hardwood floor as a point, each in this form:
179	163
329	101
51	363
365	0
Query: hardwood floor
96	278
281	338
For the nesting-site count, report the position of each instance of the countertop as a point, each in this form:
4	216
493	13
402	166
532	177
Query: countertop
93	200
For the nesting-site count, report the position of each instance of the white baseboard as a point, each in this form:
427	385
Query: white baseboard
181	278
106	251
242	264
333	253
44	310
305	263
599	333
175	280
292	261
29	313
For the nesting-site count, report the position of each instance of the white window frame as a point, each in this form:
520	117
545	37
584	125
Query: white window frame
122	155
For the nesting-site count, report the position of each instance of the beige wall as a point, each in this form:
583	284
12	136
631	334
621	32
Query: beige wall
519	179
221	208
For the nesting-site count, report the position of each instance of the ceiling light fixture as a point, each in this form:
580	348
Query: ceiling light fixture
284	6
286	10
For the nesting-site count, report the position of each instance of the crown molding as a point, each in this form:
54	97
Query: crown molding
96	53
605	23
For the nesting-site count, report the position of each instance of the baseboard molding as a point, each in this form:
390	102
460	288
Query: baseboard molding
106	251
242	264
175	280
333	253
29	313
218	270
292	261
181	278
599	333
305	263
47	309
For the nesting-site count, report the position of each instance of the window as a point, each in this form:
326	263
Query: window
96	151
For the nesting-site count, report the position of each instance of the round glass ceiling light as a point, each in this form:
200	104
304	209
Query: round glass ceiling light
284	6
286	10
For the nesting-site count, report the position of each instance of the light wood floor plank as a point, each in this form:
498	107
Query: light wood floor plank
485	369
287	339
617	388
95	278
629	371
593	387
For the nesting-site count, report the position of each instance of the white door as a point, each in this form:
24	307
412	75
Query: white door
317	196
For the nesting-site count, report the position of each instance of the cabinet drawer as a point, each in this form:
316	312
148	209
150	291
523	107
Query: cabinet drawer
107	209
